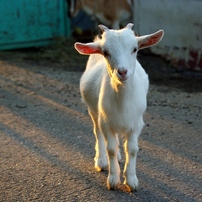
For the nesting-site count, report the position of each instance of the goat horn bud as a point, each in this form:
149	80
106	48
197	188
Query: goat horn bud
129	26
103	28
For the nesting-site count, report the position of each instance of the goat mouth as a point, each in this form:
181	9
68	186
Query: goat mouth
122	78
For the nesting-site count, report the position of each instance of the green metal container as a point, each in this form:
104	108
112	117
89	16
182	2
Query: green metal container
32	23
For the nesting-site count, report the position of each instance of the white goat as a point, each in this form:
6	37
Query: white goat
114	86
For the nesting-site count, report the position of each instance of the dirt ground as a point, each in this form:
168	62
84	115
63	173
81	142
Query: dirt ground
46	139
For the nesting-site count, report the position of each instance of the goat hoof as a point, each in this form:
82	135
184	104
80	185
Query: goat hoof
131	183
112	182
101	164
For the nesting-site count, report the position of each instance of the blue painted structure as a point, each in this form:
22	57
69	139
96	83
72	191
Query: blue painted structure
32	23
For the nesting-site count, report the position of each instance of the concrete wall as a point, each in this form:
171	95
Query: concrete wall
182	22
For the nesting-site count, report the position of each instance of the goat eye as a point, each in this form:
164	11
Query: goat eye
134	50
106	54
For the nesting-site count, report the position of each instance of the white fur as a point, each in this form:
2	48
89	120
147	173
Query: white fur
115	102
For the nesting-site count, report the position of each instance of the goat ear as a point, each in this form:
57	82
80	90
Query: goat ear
129	26
103	28
88	48
150	40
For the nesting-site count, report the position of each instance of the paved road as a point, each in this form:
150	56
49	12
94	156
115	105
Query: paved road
47	144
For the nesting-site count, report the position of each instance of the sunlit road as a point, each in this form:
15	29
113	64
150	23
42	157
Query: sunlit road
47	144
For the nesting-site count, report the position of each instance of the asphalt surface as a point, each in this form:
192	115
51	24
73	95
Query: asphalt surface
47	143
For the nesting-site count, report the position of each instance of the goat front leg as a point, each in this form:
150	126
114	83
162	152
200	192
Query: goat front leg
101	161
113	179
131	150
119	154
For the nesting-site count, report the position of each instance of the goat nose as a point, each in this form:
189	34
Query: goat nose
122	72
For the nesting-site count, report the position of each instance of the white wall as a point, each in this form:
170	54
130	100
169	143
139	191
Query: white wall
182	22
